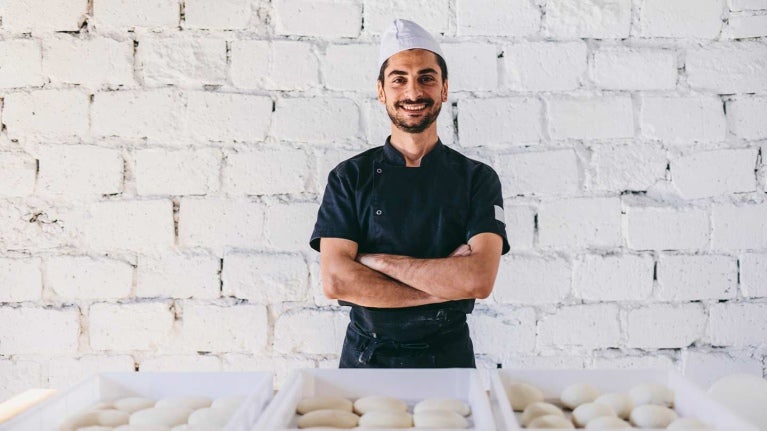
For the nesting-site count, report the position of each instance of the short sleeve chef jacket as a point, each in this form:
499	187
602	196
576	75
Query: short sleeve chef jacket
376	201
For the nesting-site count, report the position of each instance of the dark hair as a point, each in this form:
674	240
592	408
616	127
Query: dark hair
440	62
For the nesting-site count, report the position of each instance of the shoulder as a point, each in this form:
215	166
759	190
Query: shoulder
360	162
471	167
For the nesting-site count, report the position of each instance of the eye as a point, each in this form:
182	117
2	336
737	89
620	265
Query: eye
398	80
427	78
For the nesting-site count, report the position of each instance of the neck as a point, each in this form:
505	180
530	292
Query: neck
413	146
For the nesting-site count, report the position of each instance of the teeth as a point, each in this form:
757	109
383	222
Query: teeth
414	107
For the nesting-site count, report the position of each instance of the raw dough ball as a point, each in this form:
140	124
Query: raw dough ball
209	417
368	404
96	428
142	428
551	422
133	404
168	416
577	394
328	418
621	403
652	416
229	403
522	394
607	422
538	409
588	411
439	419
81	420
687	424
307	405
386	419
192	403
652	393
451	404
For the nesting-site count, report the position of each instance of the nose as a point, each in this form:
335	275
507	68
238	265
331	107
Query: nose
413	91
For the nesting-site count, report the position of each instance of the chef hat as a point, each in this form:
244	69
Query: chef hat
403	35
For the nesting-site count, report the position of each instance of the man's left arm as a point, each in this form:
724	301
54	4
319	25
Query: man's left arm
463	275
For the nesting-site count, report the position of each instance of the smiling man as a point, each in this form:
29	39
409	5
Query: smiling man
412	232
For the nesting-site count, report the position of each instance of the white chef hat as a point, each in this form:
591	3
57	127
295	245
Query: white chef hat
403	35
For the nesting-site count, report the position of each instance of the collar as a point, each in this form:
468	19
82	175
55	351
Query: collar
391	155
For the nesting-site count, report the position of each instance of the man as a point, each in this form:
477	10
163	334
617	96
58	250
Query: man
411	233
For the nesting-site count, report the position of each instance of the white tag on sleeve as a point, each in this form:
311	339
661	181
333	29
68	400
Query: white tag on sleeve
499	214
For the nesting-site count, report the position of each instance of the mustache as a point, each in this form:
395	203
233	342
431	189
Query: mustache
425	100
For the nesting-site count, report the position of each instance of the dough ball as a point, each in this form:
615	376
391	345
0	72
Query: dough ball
142	428
451	404
310	404
652	393
551	422
96	418
209	416
621	403
386	419
607	422
96	428
439	419
133	404
652	416
369	404
539	409
584	413
577	394
191	403
328	418
687	424
229	403
167	416
522	394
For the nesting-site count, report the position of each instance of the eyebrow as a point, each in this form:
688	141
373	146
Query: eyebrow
420	72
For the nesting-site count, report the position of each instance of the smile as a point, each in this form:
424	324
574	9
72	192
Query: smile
414	108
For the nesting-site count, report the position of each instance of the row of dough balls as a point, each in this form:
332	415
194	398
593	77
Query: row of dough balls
188	413
648	405
381	412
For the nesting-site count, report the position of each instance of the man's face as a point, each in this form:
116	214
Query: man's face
413	90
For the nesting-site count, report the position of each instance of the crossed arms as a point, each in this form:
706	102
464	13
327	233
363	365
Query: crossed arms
389	281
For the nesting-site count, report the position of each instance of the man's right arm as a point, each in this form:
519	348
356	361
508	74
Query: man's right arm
345	279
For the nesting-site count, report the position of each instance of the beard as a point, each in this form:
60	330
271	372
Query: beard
400	120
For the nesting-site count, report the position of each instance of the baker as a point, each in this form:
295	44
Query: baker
410	233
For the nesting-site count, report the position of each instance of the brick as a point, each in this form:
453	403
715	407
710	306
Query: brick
126	327
325	18
624	277
610	19
17	178
498	334
33	226
378	125
288	227
715	173
745	115
22	64
76	278
21	280
491	18
728	67
23	16
89	62
634	363
626	167
706	367
266	171
685	119
634	69
322	120
327	160
666	326
739	227
178	276
66	372
681	18
745	26
666	228
520	226
591	118
312	332
79	171
282	366
738	5
433	15
47	113
548	362
737	324
226	15
265	278
693	278
128	14
126	225
219	223
41	331
18	377
499	121
137	114
181	60
181	363
753	275
532	280
582	222
471	66
226	116
545	66
581	326
529	173
359	75
167	172
277	65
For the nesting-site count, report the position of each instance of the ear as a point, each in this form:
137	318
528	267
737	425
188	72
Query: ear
444	91
381	94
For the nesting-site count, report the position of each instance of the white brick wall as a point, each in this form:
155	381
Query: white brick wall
743	116
577	19
265	278
78	171
688	278
529	173
581	327
594	222
21	280
54	114
18	175
69	278
737	324
224	328
22	63
714	173
532	280
681	120
630	69
178	276
125	327
753	278
92	63
41	331
225	14
666	326
681	18
728	67
545	65
614	278
659	228
591	118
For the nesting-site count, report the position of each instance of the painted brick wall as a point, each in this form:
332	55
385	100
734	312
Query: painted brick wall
162	161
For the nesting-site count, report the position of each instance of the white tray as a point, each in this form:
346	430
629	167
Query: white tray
689	399
255	386
409	385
